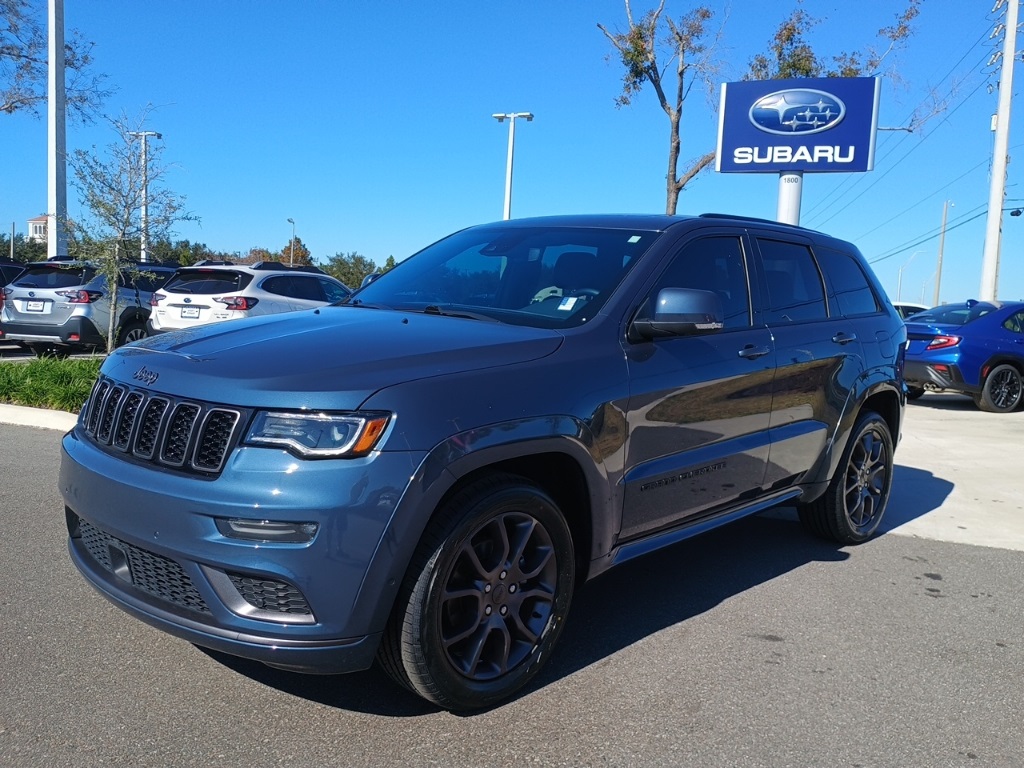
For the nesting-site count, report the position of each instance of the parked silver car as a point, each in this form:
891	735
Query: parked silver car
56	307
211	292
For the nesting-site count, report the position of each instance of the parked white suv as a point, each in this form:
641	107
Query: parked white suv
212	292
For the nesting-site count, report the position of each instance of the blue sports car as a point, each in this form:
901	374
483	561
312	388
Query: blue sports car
976	348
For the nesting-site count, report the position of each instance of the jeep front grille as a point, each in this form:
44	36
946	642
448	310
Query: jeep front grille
184	435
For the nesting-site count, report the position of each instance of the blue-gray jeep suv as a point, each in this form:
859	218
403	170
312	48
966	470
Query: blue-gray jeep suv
422	473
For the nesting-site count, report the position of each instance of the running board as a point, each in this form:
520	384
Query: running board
635	549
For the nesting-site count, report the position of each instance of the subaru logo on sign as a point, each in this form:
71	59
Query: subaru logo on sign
797	110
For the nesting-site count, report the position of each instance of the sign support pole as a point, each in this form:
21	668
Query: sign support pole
791	187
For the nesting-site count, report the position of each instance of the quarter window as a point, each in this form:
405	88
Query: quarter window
852	291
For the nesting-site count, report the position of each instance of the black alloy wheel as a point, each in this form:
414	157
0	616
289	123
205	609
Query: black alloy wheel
1002	390
851	510
485	598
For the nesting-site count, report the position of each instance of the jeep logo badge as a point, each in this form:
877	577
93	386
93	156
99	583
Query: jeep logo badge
146	376
797	110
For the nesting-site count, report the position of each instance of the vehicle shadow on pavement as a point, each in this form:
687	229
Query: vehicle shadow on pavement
633	601
616	610
915	493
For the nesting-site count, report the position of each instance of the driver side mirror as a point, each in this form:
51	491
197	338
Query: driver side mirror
681	312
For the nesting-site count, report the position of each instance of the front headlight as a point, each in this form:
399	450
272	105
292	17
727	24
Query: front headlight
319	435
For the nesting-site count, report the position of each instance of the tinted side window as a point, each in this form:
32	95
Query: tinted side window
713	264
332	290
795	290
307	288
852	290
207	281
1015	323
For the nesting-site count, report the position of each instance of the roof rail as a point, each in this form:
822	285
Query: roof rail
214	263
277	265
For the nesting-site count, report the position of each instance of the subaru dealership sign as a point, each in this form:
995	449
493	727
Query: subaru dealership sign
808	124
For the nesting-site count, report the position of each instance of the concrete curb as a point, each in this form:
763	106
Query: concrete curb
37	417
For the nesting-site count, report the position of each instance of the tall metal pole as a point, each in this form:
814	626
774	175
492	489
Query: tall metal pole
942	243
144	244
291	259
56	145
997	184
511	117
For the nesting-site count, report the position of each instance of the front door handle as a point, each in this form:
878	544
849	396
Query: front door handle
751	352
844	338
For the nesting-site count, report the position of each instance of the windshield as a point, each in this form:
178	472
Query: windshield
545	277
54	275
953	314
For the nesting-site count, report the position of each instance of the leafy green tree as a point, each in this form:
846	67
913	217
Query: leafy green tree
23	63
111	196
350	268
302	257
790	54
24	249
389	264
648	41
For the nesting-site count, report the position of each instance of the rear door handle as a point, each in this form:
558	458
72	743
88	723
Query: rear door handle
750	351
844	338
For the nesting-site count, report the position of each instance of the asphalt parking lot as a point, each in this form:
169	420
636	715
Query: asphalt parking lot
752	646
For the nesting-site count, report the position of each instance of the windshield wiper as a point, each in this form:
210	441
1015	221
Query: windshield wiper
360	303
433	309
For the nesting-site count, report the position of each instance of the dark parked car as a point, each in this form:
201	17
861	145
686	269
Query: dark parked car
423	474
976	348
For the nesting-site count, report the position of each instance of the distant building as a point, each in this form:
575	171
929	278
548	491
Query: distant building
37	229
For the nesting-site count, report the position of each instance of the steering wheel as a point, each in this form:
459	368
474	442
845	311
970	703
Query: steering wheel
590	293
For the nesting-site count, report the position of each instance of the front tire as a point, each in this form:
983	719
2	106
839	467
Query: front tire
1001	392
485	597
851	509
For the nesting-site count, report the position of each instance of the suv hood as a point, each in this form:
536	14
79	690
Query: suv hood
331	358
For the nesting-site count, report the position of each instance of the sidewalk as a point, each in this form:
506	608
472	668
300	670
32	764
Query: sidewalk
37	417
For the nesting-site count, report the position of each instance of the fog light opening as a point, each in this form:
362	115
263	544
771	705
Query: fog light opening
267	530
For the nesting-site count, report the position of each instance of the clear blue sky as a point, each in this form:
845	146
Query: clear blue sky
369	124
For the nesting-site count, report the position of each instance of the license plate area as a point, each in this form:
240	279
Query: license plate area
189	313
35	306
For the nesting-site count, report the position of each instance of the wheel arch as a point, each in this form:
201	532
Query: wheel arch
553	453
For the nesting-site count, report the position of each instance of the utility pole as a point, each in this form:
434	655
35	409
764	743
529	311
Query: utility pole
997	185
144	135
56	144
942	242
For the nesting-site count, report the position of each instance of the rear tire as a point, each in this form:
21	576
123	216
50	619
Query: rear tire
131	331
914	392
485	597
1001	392
852	508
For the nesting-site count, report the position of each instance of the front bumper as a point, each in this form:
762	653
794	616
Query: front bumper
148	539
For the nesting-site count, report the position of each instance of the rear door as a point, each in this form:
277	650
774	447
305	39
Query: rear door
699	406
817	350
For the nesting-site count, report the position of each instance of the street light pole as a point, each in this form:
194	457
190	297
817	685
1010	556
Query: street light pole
942	243
144	135
291	259
511	117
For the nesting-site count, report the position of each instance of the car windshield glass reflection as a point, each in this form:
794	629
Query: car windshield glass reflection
544	277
